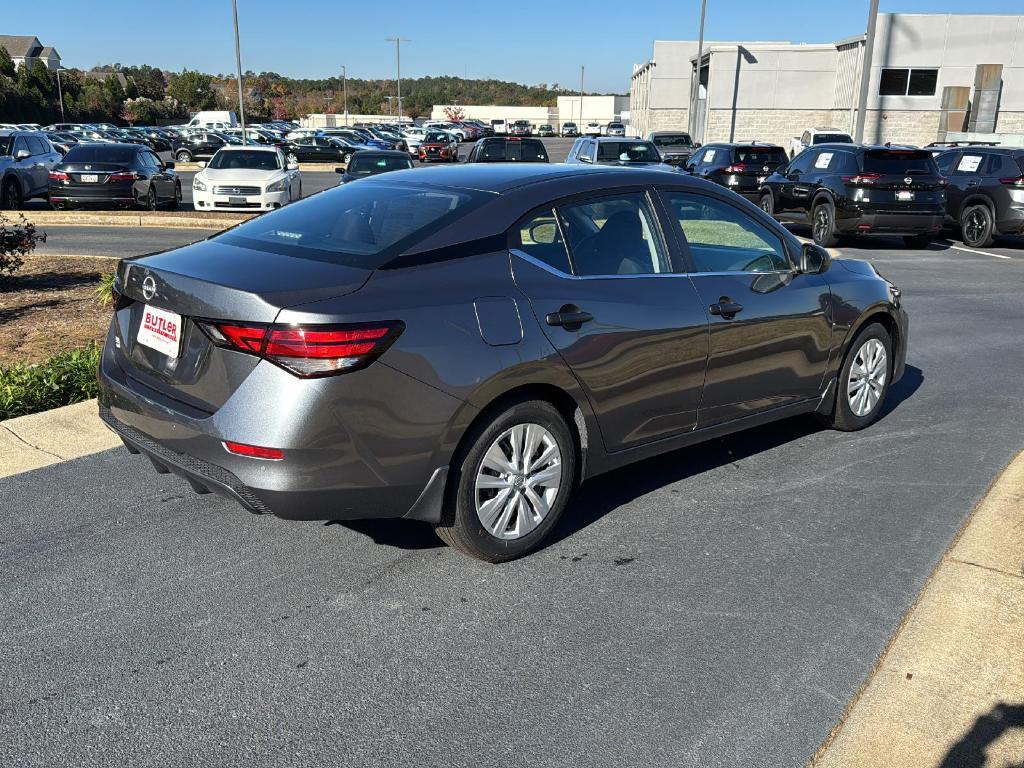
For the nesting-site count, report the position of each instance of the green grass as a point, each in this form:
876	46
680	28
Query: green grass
726	233
67	378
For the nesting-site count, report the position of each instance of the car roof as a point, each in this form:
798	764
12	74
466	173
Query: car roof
616	139
749	144
504	177
829	130
380	153
980	148
247	148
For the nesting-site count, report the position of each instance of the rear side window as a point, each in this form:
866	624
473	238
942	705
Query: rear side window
361	225
540	238
897	162
1002	166
614	236
969	164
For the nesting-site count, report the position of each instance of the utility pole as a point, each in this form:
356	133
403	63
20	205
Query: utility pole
695	85
581	98
398	68
238	63
60	93
344	87
865	75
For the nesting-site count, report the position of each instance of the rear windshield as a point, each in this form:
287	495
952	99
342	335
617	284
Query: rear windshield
759	155
673	140
367	166
896	162
99	153
628	151
359	225
832	138
499	151
258	161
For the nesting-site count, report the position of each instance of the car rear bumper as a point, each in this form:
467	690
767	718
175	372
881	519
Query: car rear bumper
1012	221
95	194
344	457
890	223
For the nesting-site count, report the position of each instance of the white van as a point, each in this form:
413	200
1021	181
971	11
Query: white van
213	119
500	127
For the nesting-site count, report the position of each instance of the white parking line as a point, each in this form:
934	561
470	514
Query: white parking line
982	253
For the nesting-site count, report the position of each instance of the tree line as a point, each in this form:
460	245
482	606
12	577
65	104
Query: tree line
147	95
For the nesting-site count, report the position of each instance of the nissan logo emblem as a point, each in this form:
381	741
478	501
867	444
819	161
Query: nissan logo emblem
148	288
908	180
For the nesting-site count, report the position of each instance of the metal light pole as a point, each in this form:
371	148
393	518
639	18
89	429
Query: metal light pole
238	63
865	75
60	93
581	98
344	87
391	105
398	68
695	85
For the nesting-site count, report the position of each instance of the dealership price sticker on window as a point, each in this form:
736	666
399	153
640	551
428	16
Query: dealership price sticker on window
823	160
160	330
969	163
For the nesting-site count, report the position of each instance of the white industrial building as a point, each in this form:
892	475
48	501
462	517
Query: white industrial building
930	73
601	109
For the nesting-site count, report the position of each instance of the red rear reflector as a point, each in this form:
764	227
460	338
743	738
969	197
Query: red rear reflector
253	451
123	176
863	227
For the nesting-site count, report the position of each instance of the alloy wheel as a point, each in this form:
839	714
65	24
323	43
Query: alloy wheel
822	224
974	226
11	197
868	375
518	481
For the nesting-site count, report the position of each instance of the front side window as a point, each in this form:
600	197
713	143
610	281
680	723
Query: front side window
614	236
722	238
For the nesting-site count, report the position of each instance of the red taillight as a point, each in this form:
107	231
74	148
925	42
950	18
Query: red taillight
123	176
253	451
736	168
1014	182
58	176
862	178
309	351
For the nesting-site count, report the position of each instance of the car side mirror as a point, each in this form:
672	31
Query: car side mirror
697	145
293	165
21	154
337	168
168	166
814	259
201	164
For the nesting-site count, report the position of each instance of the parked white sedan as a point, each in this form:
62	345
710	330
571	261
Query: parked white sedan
246	177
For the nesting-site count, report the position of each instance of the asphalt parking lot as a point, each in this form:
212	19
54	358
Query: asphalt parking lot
717	606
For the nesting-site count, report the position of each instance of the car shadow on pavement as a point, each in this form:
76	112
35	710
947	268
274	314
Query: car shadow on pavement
970	751
605	493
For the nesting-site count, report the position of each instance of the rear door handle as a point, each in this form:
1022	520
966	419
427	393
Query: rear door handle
567	316
726	308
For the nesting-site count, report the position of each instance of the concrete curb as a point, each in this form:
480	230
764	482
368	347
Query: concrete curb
41	439
169	220
949	688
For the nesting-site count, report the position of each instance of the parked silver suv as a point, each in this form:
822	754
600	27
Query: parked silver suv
26	158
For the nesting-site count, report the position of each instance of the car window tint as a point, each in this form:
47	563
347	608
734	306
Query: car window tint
945	161
968	164
708	157
1001	165
759	155
541	238
614	236
803	162
19	145
722	238
36	146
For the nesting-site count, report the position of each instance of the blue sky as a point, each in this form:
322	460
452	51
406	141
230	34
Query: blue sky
524	40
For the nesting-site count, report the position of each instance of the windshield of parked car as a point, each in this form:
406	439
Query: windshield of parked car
368	165
672	140
774	155
832	138
100	153
436	137
257	161
628	151
913	162
359	225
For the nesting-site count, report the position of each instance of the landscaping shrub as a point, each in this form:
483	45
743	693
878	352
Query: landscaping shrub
17	240
105	290
67	378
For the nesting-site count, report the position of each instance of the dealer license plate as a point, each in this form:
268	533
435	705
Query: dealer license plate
904	195
91	178
160	330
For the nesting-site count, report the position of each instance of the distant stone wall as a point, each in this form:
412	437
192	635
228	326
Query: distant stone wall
1010	122
918	127
771	126
666	120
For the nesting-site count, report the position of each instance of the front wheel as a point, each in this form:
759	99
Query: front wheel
511	483
183	156
863	381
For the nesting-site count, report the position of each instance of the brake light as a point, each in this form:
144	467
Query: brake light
736	168
58	176
862	178
308	351
123	176
253	451
1014	182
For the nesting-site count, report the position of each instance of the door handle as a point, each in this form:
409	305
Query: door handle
973	183
726	308
568	316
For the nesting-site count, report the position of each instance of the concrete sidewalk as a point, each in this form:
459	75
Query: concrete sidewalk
948	692
50	437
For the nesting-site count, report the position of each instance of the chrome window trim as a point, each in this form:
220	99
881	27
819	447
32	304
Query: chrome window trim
559	273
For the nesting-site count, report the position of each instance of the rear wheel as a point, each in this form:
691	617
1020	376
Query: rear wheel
511	484
917	241
183	156
150	201
863	380
176	200
977	226
823	225
10	196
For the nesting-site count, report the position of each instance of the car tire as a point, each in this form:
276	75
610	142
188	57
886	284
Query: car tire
977	228
176	200
823	225
150	203
853	410
768	204
10	195
918	242
183	156
509	501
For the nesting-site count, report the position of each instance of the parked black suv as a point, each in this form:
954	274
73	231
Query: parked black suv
985	196
198	146
501	149
853	189
741	167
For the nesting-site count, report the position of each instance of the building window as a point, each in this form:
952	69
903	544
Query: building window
908	82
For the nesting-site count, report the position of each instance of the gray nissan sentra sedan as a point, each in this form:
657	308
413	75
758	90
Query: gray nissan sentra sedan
466	345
